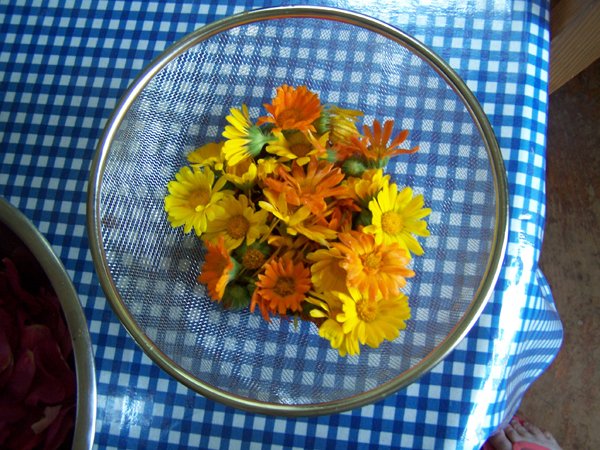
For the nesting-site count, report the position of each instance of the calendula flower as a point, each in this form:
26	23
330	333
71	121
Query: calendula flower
371	320
365	188
209	155
397	218
375	146
339	123
281	288
285	243
244	139
243	174
297	146
339	215
298	220
310	185
253	259
267	166
372	268
327	308
194	199
343	124
327	274
292	109
218	269
238	222
253	256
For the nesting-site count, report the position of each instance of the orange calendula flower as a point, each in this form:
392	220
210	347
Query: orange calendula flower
310	185
253	259
375	146
339	215
218	269
293	109
281	288
376	269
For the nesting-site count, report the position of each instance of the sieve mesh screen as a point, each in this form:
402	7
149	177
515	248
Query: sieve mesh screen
154	267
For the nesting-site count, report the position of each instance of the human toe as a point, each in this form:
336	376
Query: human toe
499	441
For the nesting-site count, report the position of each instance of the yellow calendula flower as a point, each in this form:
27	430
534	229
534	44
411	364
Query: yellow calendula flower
298	220
342	124
209	155
397	217
243	174
327	273
243	138
371	320
366	187
194	199
267	166
328	307
237	222
297	146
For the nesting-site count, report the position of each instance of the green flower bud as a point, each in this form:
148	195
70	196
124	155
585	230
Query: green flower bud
364	218
236	297
354	167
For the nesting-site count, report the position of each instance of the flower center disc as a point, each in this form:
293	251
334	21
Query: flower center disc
366	310
237	226
372	261
253	259
300	149
285	286
391	222
199	197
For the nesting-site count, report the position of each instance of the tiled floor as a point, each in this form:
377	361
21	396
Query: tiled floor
566	399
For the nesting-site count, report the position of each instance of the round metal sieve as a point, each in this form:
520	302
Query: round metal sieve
179	102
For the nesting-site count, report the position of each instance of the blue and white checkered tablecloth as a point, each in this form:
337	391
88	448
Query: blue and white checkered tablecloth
63	67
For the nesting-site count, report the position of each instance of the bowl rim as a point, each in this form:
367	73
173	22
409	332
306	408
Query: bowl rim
26	231
493	266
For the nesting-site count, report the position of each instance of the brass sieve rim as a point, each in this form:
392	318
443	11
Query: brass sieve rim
480	298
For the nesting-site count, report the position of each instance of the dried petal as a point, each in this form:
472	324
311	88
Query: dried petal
22	376
59	430
6	359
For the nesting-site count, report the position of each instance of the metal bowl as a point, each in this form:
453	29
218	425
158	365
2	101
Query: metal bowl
179	102
85	416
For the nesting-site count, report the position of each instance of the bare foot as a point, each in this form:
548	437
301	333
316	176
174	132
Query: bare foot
526	433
